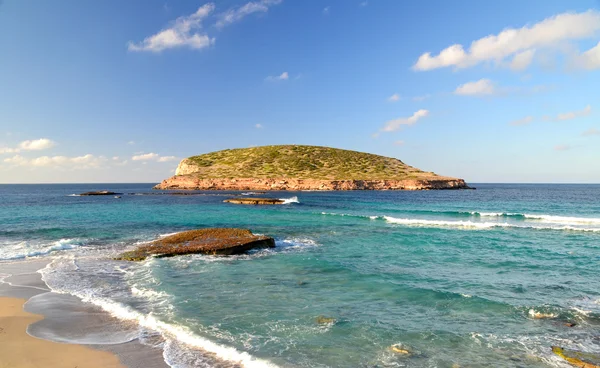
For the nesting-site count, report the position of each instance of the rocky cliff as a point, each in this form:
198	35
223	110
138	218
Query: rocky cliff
294	168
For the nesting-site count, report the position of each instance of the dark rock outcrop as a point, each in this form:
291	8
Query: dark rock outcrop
213	241
100	193
254	201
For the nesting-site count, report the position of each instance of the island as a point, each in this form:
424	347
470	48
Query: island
298	168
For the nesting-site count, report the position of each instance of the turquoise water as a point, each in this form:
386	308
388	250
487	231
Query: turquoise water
455	277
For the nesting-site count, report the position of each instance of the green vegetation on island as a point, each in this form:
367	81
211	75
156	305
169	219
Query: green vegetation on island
300	162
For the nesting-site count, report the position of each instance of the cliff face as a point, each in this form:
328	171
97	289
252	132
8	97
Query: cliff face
190	182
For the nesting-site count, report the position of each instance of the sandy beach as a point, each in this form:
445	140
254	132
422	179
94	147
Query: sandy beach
19	350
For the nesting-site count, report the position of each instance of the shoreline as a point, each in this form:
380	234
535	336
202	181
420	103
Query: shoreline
20	283
19	349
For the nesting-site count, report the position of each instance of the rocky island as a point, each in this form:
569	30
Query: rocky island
297	167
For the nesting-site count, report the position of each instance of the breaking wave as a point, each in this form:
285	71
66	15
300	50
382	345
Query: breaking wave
293	199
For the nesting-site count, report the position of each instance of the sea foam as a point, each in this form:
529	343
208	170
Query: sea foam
52	275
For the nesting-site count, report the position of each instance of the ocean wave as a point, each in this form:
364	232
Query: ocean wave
351	215
290	200
22	250
52	274
479	225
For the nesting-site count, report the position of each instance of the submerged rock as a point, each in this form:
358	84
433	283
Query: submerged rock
578	358
322	320
254	201
214	241
100	193
400	349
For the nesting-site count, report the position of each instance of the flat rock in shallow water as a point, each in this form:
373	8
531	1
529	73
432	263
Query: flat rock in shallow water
254	201
214	241
578	358
99	193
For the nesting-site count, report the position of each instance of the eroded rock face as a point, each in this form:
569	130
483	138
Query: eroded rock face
254	201
214	241
191	182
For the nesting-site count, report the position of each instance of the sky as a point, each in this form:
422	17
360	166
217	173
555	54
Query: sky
121	91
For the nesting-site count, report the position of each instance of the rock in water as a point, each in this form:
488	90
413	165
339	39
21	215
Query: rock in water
254	201
100	193
322	320
578	358
214	241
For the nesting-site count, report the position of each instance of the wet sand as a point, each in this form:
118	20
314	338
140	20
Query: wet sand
19	350
20	283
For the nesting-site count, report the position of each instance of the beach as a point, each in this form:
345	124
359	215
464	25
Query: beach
18	349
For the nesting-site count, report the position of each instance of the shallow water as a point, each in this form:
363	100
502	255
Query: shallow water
454	277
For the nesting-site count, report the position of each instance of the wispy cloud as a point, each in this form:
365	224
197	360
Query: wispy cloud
570	115
88	161
521	44
364	3
399	143
396	124
153	157
259	126
326	10
182	33
394	98
591	132
236	14
482	87
281	77
526	120
31	145
562	147
421	98
560	117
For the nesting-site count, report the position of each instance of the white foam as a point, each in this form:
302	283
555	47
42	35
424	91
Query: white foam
563	219
479	225
181	333
74	195
293	199
23	249
167	234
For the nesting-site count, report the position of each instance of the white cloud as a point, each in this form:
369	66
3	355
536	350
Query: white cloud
521	43
37	144
131	143
258	126
572	114
590	132
88	161
153	157
180	34
478	88
167	158
396	124
399	143
526	120
522	60
590	59
364	3
393	98
239	13
281	77
326	10
145	157
31	145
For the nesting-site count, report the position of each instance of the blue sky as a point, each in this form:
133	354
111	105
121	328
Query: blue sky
116	91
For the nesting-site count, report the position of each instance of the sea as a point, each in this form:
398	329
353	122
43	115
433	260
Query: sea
492	277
